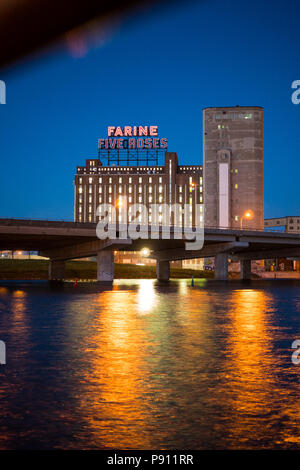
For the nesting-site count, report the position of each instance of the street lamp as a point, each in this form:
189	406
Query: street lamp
248	215
119	203
145	252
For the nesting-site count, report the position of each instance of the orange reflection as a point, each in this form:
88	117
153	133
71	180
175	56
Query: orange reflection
250	364
118	371
18	308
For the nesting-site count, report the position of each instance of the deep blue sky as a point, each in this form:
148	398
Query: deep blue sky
160	68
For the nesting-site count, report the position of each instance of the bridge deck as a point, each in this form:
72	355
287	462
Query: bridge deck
61	237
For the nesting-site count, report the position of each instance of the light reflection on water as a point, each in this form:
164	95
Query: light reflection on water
149	366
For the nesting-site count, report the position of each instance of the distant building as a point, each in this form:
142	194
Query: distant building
233	166
290	224
136	257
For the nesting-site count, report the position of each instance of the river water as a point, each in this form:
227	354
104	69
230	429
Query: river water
147	366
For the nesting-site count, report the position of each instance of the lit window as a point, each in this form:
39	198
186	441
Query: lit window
160	189
109	189
140	198
130	198
90	189
150	198
130	179
236	170
120	189
160	179
80	189
150	179
180	189
100	180
110	180
80	180
100	189
140	189
90	180
150	189
90	208
236	218
236	186
140	179
120	179
130	189
80	209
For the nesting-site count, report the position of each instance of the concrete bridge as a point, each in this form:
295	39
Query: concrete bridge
60	241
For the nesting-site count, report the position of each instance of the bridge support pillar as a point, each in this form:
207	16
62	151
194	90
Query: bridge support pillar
246	269
221	267
162	270
105	266
56	270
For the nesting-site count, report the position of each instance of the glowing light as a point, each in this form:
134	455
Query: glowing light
146	296
120	203
145	252
247	215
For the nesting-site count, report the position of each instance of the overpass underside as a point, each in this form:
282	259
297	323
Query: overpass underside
62	241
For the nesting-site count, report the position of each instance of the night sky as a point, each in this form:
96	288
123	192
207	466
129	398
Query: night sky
158	68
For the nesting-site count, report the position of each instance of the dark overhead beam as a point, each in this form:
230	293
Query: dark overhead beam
207	251
269	254
26	26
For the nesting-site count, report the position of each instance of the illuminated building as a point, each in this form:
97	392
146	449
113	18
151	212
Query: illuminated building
170	183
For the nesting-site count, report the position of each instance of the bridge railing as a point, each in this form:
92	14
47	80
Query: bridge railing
92	224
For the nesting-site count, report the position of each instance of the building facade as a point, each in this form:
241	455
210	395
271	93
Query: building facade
170	183
233	166
290	224
231	183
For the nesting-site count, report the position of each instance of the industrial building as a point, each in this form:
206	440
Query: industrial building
233	167
230	183
171	183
